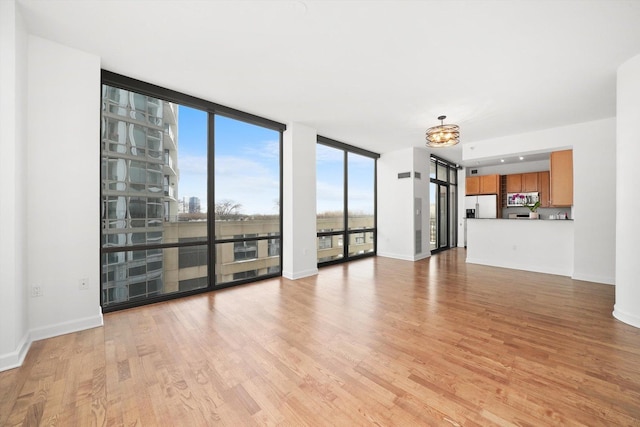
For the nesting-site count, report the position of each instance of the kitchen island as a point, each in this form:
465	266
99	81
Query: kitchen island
544	246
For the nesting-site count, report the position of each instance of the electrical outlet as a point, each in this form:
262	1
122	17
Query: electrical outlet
36	291
83	284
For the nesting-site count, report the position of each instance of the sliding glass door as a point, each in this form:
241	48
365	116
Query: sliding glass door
443	205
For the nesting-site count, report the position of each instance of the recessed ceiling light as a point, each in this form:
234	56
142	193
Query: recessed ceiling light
501	160
521	158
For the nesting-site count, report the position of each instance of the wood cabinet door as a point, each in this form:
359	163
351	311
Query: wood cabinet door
490	184
472	185
561	178
514	183
543	189
529	182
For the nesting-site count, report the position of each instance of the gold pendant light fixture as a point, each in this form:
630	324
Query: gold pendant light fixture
443	135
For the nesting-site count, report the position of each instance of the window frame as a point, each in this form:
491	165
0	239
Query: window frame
212	109
345	233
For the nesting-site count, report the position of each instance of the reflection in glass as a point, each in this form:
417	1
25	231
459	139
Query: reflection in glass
140	197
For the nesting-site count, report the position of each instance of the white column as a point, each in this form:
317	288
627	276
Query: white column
627	306
14	341
299	247
403	204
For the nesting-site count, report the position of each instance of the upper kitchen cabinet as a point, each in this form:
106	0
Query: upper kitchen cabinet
523	183
530	182
486	184
561	178
514	183
543	189
472	185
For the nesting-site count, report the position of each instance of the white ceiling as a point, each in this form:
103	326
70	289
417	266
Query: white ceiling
374	74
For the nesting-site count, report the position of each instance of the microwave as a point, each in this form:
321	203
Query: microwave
518	199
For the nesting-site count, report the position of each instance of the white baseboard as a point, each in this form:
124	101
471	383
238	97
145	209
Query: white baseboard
395	256
629	319
596	279
15	358
526	267
66	327
300	274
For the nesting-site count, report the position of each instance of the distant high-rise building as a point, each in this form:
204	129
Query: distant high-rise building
139	190
194	204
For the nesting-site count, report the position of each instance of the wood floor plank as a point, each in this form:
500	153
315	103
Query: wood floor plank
373	342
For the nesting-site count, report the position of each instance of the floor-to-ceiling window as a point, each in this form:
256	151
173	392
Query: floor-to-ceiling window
346	201
443	204
190	194
247	200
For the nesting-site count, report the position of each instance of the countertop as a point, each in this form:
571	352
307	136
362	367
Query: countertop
524	219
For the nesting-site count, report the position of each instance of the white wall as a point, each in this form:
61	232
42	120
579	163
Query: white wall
395	205
594	169
627	306
14	338
300	254
542	246
397	219
594	201
63	204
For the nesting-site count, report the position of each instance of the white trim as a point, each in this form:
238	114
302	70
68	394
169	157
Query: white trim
595	279
15	358
395	256
299	274
526	267
422	256
627	318
67	327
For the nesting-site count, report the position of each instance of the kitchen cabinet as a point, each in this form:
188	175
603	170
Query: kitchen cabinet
530	182
561	178
472	185
514	183
485	184
523	183
490	184
543	188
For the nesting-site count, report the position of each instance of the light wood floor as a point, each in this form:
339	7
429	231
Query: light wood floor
374	342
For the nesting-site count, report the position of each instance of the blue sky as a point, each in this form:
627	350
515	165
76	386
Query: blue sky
247	167
330	181
246	161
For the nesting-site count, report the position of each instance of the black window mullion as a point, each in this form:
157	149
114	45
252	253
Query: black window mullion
211	220
345	238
